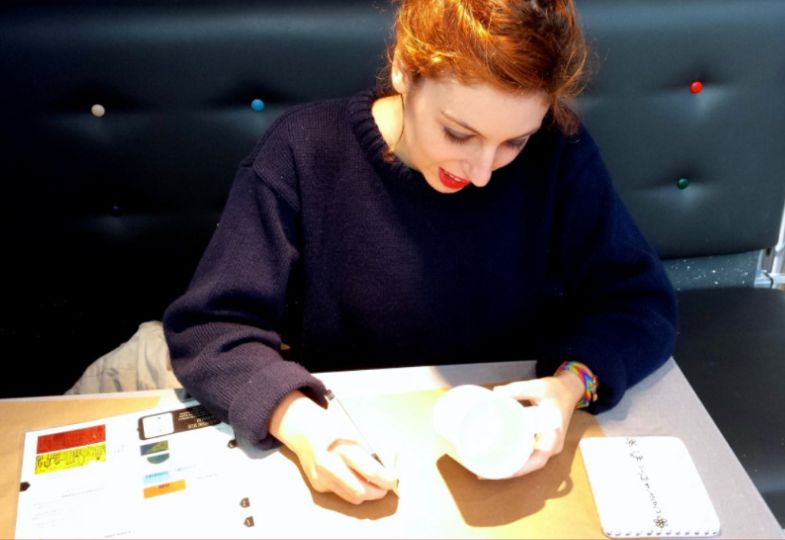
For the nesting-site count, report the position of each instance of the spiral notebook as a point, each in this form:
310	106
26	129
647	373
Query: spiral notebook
647	486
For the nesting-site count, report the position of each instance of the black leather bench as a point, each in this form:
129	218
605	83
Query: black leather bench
122	122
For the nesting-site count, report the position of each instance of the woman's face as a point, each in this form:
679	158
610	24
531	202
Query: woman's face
457	135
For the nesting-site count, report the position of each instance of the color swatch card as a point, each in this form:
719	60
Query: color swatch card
139	475
647	486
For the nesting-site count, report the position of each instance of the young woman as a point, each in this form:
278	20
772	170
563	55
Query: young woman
460	213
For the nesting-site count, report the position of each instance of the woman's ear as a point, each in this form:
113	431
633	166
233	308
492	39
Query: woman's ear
399	76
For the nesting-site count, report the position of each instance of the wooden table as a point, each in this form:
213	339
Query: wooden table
663	404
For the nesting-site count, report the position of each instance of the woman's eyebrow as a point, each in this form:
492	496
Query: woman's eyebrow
469	128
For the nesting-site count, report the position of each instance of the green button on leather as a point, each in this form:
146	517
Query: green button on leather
683	183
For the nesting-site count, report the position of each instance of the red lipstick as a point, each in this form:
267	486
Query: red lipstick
450	181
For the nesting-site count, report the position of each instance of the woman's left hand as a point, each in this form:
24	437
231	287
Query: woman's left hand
557	397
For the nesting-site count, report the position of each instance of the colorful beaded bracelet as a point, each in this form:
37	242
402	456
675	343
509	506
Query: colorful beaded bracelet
589	379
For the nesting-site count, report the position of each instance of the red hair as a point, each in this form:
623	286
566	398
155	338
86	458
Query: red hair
519	46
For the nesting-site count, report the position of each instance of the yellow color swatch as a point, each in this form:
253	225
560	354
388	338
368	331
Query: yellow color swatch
68	459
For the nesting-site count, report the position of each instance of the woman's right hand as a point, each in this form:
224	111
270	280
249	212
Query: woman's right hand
329	453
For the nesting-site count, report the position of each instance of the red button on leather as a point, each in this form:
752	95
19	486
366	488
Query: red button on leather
696	87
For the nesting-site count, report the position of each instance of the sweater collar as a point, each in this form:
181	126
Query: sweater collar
371	140
391	168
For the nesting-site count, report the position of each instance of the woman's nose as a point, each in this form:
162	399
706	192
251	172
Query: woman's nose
481	167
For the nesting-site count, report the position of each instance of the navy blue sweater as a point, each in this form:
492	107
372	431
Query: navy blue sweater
353	261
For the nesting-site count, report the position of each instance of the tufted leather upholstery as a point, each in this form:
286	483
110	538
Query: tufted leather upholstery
724	140
104	218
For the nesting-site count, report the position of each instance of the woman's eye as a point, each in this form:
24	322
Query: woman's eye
520	143
456	137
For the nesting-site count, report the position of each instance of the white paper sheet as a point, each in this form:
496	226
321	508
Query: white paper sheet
153	474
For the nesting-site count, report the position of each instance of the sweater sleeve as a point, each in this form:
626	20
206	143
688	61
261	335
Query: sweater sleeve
223	333
621	310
